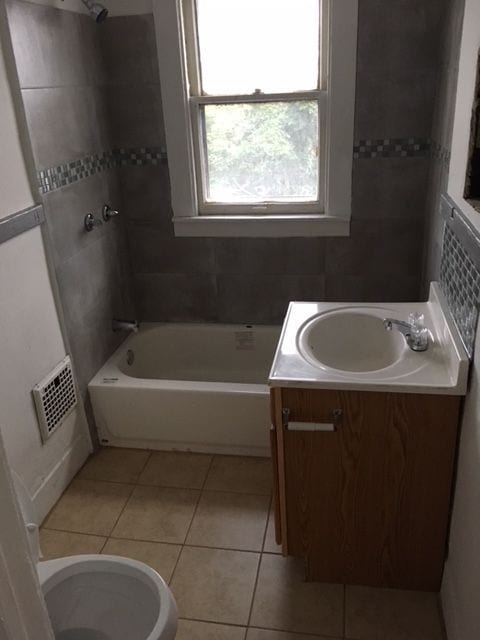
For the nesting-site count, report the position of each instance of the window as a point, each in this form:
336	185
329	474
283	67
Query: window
258	105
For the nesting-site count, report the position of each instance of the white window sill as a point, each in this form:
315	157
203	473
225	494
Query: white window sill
261	226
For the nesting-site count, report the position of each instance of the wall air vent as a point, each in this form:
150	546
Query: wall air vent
55	397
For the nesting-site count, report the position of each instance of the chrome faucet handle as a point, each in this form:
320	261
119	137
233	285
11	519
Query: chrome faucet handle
415	332
90	222
108	212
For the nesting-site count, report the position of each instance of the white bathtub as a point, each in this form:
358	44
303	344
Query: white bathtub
192	387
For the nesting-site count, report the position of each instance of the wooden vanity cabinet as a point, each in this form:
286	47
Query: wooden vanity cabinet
367	503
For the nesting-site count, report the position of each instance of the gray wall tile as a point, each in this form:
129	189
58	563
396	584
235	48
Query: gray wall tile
152	252
442	133
146	196
390	188
130	50
65	123
50	45
399	46
66	210
263	299
135	116
175	297
86	275
376	288
269	255
398	105
92	339
387	247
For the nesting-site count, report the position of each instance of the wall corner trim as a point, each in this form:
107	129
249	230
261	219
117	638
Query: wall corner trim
21	221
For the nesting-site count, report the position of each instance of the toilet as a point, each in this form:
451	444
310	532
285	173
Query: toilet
100	597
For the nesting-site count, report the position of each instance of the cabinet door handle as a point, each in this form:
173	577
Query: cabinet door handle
312	426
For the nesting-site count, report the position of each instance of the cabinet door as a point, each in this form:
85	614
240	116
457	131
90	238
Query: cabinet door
368	503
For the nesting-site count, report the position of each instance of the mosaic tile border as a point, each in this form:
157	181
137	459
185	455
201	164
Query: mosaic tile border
68	173
460	272
62	175
391	148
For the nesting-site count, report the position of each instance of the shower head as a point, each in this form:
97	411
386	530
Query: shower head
97	10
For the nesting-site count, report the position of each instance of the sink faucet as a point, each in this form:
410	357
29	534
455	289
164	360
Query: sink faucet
414	331
125	325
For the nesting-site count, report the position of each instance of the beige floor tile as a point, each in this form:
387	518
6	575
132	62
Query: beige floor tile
89	506
115	464
157	514
264	634
215	585
161	557
230	521
176	469
285	602
57	544
240	474
194	630
391	614
270	545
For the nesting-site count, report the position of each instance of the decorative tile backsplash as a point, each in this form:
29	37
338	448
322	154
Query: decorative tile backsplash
391	148
70	172
460	277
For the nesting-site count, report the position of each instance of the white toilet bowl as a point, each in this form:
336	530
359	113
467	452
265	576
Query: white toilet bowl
100	597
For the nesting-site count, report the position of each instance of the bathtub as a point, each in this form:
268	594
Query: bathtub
190	387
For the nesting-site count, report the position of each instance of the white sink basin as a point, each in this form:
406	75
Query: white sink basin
344	345
350	340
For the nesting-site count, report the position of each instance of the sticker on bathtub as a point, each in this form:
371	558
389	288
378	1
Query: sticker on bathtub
244	341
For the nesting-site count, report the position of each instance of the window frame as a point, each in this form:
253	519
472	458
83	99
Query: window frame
179	74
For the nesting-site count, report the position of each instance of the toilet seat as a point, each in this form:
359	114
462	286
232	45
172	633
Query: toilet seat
101	597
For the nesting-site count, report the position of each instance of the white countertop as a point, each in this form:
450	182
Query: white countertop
442	369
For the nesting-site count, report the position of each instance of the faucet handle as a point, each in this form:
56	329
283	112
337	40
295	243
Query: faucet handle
108	212
419	332
90	222
416	319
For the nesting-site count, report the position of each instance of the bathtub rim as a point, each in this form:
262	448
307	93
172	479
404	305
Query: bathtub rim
111	375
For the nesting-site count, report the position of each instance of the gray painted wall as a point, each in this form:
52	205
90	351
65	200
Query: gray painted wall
62	78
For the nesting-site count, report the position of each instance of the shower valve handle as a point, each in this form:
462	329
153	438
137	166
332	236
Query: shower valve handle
90	222
108	212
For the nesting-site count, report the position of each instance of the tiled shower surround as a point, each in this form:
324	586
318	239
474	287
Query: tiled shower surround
89	89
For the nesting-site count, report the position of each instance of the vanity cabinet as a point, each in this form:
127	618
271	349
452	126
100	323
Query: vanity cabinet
367	501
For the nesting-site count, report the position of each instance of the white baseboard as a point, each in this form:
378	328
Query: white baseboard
61	475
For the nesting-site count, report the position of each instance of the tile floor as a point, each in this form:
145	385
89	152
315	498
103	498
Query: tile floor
205	524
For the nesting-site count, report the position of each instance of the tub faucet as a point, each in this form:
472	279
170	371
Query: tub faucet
125	325
414	331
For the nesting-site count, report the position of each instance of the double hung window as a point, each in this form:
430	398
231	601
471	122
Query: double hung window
250	105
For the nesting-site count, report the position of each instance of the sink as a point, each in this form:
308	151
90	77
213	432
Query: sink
353	340
345	346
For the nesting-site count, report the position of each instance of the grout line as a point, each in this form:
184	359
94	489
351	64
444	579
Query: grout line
81	533
277	630
122	510
144	466
191	521
254	592
168	486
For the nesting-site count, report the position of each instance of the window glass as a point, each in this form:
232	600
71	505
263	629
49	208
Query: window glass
255	152
270	46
